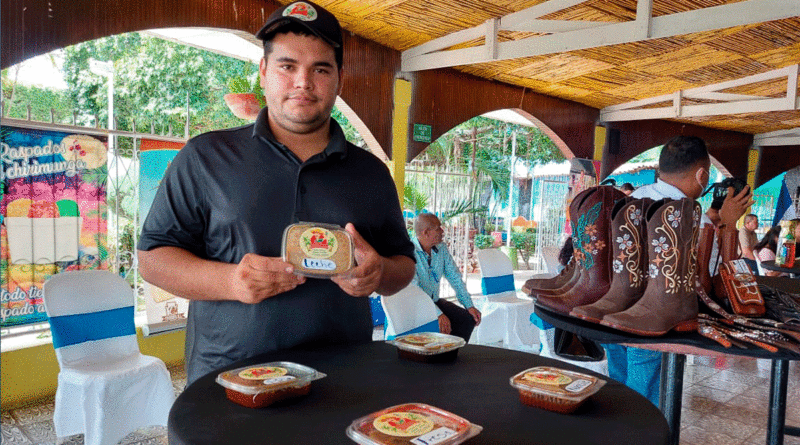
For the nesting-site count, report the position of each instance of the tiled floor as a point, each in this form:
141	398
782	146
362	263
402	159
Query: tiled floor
33	424
725	402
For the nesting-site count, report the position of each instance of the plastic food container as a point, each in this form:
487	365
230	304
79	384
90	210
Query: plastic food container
428	346
317	250
411	423
555	389
260	385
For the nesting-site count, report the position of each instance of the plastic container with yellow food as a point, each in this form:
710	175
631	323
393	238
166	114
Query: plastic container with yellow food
318	250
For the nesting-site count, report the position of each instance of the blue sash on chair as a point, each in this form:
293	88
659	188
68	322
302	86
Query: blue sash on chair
496	285
79	328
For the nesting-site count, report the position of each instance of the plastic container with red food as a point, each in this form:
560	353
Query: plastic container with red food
555	389
428	346
261	385
412	423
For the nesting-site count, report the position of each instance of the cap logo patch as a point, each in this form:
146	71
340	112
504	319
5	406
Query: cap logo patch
302	11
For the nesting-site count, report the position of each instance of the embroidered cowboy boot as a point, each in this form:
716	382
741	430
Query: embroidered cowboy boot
629	252
669	301
728	245
567	275
705	242
535	285
592	253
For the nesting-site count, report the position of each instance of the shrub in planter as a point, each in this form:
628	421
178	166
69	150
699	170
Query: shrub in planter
483	241
525	243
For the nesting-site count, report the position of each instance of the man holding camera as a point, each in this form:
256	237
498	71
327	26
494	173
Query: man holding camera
683	172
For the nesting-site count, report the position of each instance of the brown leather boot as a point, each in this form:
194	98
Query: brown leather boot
728	240
629	254
728	245
705	241
567	275
669	301
592	252
536	285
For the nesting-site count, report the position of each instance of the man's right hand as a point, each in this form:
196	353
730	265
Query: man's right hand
444	324
257	278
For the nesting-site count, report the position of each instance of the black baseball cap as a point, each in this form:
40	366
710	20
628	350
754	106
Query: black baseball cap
311	16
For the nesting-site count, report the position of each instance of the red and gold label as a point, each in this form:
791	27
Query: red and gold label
403	424
547	377
262	373
317	242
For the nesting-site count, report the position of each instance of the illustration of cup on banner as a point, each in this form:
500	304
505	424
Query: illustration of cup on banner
42	232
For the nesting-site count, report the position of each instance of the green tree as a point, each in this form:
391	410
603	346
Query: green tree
155	81
17	98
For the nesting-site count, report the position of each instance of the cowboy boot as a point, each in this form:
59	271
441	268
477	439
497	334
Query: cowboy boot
535	285
728	245
705	241
629	251
669	300
567	275
592	253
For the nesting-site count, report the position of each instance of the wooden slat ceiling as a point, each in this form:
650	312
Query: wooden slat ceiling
602	76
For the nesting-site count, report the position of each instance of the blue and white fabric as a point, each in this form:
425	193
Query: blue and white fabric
106	387
409	311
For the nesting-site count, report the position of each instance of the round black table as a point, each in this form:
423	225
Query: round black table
362	379
770	265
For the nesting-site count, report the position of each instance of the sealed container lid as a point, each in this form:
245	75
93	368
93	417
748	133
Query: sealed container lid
428	343
318	250
411	423
561	384
266	377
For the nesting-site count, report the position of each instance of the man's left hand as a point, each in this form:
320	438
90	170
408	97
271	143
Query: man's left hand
364	279
735	206
476	315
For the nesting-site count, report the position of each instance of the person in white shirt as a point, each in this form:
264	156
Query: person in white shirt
683	172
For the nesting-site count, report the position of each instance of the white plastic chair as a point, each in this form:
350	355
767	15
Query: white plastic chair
505	313
761	270
408	311
106	387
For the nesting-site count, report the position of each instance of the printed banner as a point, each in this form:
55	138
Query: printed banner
155	156
52	214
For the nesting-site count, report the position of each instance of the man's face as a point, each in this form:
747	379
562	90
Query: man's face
700	182
300	81
434	234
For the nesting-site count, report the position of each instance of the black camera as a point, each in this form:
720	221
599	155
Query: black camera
719	190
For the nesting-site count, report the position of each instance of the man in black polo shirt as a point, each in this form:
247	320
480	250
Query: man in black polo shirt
214	232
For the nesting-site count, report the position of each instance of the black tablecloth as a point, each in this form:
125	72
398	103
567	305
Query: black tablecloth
366	378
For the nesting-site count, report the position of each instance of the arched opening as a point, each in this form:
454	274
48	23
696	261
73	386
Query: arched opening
494	180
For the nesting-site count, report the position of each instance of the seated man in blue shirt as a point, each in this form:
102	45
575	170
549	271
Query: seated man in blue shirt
434	262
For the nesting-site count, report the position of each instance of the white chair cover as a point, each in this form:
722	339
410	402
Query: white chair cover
761	270
505	312
408	311
106	387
